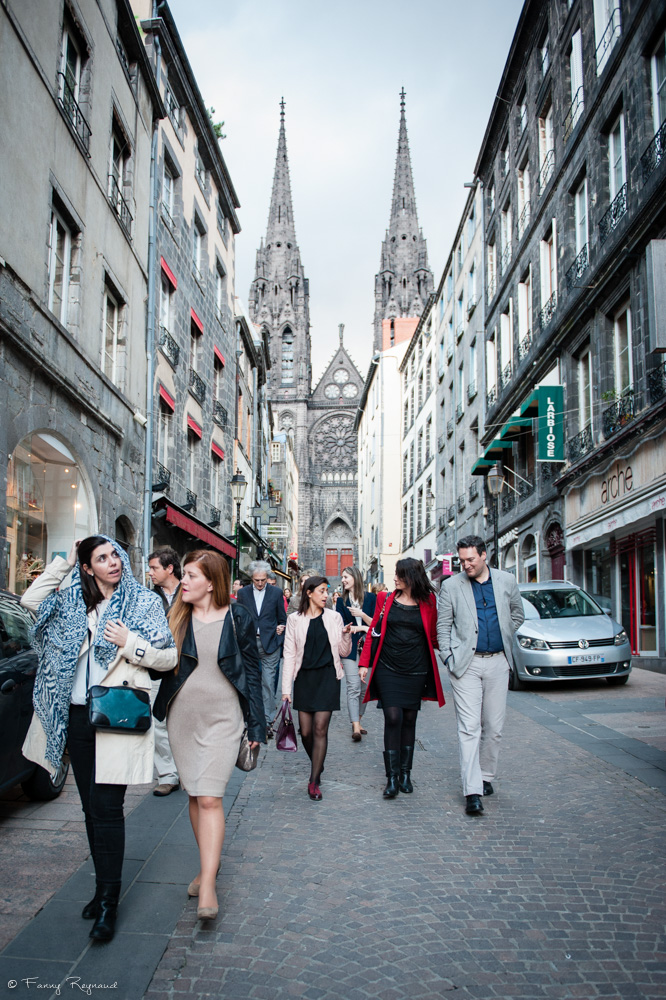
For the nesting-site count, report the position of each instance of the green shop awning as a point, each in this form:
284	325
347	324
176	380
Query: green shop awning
480	467
514	427
496	449
530	407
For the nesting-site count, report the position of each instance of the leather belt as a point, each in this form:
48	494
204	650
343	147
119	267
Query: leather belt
497	653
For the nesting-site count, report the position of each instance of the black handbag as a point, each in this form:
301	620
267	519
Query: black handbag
247	757
121	709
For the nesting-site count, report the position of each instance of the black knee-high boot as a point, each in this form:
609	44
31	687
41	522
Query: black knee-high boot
105	924
406	759
392	765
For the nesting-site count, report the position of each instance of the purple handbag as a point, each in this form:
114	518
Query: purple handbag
285	736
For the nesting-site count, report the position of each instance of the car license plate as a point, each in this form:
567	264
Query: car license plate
586	658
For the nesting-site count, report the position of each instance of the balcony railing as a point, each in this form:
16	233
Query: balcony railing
574	113
214	518
524	345
505	259
71	108
619	413
546	171
610	221
167	216
524	219
197	386
169	347
471	391
461	503
471	306
505	377
449	349
547	471
508	501
172	109
656	383
491	396
580	444
578	268
442	521
449	428
460	329
459	412
161	479
451	513
441	441
526	486
197	272
473	490
220	415
492	287
119	205
654	154
190	501
548	311
607	41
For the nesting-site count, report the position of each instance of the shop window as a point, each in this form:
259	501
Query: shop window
529	554
598	575
638	590
555	546
48	506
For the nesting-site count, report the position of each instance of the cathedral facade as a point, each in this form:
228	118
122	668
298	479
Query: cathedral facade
319	419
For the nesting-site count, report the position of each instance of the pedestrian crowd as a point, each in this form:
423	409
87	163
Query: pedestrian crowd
210	654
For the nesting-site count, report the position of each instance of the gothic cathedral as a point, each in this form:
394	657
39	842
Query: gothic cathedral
321	419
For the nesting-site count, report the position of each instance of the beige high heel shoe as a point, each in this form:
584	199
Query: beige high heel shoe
193	887
207	912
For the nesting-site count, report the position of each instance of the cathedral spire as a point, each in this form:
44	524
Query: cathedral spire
404	220
281	214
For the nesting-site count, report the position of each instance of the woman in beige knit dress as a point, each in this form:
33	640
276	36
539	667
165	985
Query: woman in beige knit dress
214	692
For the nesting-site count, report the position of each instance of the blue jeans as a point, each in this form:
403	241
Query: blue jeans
269	666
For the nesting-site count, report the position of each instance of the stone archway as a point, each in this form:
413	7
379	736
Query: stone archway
338	548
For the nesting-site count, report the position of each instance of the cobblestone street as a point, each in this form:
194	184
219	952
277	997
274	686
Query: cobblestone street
557	891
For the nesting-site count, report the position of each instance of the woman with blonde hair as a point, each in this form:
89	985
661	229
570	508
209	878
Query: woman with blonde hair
356	607
213	693
315	640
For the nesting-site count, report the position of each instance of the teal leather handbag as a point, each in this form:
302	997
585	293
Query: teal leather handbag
119	709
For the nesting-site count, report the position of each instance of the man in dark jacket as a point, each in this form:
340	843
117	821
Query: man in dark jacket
266	605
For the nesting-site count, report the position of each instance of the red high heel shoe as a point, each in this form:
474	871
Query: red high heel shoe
314	792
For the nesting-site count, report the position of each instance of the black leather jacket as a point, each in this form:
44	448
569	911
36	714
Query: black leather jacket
245	676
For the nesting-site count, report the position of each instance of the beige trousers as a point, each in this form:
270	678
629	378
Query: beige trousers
479	697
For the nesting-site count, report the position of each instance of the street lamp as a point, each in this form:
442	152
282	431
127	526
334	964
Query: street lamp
495	482
238	488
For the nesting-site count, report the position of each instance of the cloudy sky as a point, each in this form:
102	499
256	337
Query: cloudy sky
340	67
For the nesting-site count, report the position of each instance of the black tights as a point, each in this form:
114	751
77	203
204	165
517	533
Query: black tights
314	734
399	727
102	804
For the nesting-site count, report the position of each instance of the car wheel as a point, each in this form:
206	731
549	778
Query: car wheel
616	681
41	787
515	683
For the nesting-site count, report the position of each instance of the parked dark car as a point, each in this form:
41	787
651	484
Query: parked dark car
18	666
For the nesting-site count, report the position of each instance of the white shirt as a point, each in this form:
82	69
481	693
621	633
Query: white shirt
97	672
259	597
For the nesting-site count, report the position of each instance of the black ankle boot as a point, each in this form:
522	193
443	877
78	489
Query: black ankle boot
391	763
104	927
406	758
91	909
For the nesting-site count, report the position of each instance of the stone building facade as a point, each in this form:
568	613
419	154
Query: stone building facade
74	200
195	389
319	419
572	167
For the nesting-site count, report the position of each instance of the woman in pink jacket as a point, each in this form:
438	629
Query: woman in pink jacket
315	642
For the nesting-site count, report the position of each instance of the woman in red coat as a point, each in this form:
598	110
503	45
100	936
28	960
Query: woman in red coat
404	668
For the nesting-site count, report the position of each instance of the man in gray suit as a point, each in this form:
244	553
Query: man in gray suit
478	611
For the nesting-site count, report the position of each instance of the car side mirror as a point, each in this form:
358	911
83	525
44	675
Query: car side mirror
609	613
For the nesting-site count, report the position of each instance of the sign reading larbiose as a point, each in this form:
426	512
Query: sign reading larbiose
551	424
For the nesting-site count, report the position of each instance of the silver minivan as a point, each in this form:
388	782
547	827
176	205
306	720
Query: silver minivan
566	636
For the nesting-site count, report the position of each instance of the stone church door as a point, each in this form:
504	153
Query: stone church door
339	548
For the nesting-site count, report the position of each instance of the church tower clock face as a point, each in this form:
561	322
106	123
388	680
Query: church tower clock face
349	391
341	376
332	391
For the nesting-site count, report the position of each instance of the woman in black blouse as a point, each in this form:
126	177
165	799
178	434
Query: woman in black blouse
404	669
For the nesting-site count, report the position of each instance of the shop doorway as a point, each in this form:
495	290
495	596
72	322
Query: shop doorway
555	546
638	606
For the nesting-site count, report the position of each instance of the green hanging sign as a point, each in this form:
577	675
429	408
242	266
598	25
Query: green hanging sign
551	423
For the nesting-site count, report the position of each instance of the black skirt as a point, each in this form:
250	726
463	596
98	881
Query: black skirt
399	690
317	690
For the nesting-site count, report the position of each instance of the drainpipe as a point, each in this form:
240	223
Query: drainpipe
150	334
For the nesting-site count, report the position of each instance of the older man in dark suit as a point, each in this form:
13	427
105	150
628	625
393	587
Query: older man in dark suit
266	605
478	611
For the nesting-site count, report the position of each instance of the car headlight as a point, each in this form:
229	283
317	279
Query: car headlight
528	643
621	638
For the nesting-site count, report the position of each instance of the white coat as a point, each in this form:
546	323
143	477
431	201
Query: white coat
120	758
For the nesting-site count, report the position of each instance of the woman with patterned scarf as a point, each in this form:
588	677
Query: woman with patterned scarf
104	628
